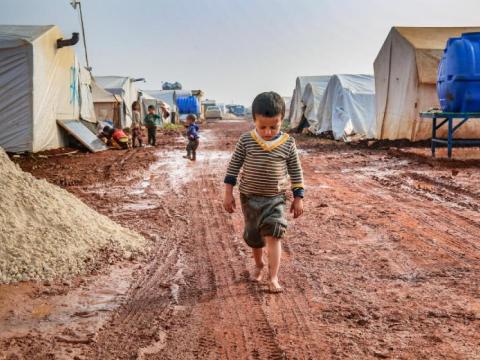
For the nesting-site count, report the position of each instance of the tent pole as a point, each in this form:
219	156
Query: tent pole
83	34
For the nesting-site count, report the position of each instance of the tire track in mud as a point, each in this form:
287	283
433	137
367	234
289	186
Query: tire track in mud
222	313
236	299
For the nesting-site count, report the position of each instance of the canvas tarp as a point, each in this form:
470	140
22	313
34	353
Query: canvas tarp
148	100
38	86
347	107
301	104
126	89
106	104
87	110
287	100
405	82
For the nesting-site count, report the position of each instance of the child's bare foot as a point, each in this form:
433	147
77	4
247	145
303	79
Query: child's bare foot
274	287
258	273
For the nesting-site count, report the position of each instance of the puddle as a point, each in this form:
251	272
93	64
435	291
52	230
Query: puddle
83	309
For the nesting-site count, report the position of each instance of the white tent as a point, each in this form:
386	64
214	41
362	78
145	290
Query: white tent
288	101
347	107
304	105
126	89
148	100
169	97
405	82
106	104
39	84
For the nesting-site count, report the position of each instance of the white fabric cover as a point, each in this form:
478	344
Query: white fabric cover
288	101
347	107
87	110
405	83
126	89
106	104
38	85
311	99
297	106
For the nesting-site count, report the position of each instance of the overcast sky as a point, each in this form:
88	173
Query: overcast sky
234	49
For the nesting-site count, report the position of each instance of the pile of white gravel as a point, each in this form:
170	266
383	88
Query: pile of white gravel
47	233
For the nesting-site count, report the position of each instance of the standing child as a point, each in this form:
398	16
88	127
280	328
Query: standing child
267	156
151	121
192	135
136	125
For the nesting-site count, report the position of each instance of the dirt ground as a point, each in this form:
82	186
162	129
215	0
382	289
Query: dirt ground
385	263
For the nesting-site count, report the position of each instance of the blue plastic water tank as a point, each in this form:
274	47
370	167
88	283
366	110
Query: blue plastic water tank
188	105
458	84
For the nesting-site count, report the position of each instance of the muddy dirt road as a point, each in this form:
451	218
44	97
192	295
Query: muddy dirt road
385	262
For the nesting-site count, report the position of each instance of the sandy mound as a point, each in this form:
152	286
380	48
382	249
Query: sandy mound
46	232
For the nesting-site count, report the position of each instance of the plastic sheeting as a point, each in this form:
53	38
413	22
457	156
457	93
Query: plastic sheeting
87	110
126	89
288	101
298	105
347	107
106	105
39	84
405	83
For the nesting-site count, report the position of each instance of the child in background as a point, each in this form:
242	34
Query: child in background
151	121
192	135
137	135
267	156
115	137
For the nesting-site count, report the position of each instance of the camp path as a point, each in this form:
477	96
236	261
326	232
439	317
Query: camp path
385	263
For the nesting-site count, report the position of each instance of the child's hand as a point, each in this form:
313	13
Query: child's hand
297	207
229	203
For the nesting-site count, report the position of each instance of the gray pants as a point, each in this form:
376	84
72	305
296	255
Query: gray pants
264	216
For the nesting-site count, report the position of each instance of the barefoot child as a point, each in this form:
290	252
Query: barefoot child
192	135
267	156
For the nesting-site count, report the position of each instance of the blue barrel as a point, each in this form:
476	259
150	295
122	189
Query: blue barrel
188	105
458	84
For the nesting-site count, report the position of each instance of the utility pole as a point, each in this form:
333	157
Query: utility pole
74	4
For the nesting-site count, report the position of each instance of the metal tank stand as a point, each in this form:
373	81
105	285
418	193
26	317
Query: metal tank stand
441	118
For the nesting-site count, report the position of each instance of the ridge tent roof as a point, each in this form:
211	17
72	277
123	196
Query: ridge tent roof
15	35
428	44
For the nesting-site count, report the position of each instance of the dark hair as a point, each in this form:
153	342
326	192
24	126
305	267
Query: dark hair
135	104
191	117
268	104
108	130
151	107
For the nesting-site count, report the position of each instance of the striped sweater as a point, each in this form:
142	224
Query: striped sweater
266	165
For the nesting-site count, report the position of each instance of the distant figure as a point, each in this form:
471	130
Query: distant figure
267	156
151	121
114	137
137	136
165	112
192	135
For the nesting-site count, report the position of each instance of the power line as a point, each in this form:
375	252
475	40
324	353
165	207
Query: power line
74	4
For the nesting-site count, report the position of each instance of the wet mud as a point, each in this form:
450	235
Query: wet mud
385	262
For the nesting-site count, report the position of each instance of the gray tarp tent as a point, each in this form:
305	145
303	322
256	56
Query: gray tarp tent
125	88
347	107
39	84
106	104
305	100
405	82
